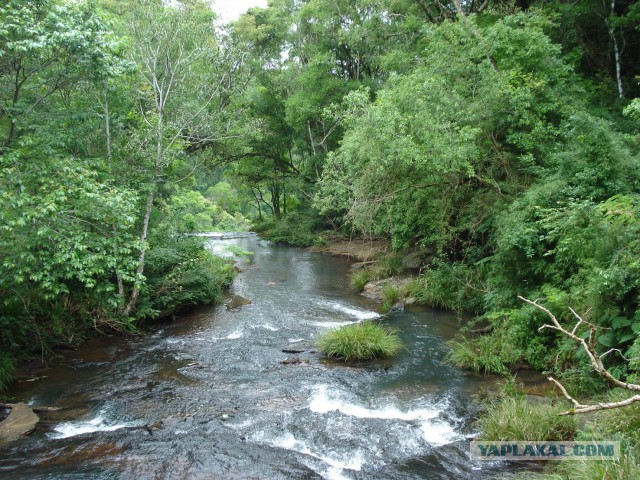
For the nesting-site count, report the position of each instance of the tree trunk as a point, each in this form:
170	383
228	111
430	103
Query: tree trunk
135	294
616	52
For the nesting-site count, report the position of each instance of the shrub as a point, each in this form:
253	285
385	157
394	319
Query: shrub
296	229
516	419
182	273
359	278
456	287
361	341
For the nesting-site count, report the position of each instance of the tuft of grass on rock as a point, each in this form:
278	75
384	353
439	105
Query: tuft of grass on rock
359	278
238	251
390	295
360	341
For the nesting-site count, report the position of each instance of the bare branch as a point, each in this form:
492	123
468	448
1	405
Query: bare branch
594	358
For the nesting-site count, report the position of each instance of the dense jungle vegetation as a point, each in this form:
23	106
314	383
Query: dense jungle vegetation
498	138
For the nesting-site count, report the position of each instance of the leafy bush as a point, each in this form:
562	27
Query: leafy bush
451	286
182	272
514	418
295	229
361	341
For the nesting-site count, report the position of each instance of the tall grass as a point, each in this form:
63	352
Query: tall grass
516	419
361	341
359	278
486	354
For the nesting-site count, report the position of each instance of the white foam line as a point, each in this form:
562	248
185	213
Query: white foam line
97	424
266	326
336	466
239	333
332	324
434	432
358	313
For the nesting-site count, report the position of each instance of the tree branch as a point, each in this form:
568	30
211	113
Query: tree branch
594	358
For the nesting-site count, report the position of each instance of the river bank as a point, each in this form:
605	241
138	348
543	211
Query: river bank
212	392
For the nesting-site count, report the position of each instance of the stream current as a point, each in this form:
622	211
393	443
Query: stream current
212	395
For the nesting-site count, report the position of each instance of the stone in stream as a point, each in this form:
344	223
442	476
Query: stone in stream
398	306
21	421
237	301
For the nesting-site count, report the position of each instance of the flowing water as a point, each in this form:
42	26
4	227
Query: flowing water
213	395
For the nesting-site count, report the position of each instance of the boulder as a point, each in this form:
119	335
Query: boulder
237	301
412	261
410	301
398	306
21	421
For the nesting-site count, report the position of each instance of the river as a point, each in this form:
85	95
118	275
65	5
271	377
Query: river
207	395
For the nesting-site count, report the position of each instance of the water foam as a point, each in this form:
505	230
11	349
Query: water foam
331	324
335	465
359	313
97	424
267	326
435	432
236	334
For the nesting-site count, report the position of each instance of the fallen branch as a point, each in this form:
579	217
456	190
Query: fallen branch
595	359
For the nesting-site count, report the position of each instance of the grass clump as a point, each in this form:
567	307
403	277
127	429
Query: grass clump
238	251
514	418
361	341
485	354
451	286
390	295
359	278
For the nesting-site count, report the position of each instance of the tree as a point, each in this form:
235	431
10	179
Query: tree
45	46
175	48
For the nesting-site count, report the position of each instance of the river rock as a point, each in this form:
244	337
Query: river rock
398	306
237	301
410	301
412	261
21	421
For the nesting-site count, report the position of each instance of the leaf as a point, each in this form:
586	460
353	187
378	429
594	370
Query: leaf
606	339
620	322
627	337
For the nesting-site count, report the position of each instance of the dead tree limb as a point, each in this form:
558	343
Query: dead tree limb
595	359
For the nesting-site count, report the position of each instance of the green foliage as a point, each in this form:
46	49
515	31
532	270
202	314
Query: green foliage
240	252
359	278
182	272
513	418
388	266
295	229
485	354
360	341
7	368
451	286
390	295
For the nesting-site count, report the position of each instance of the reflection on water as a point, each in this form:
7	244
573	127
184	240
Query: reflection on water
213	395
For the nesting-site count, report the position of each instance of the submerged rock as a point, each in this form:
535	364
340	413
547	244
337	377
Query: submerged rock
398	307
21	421
237	301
